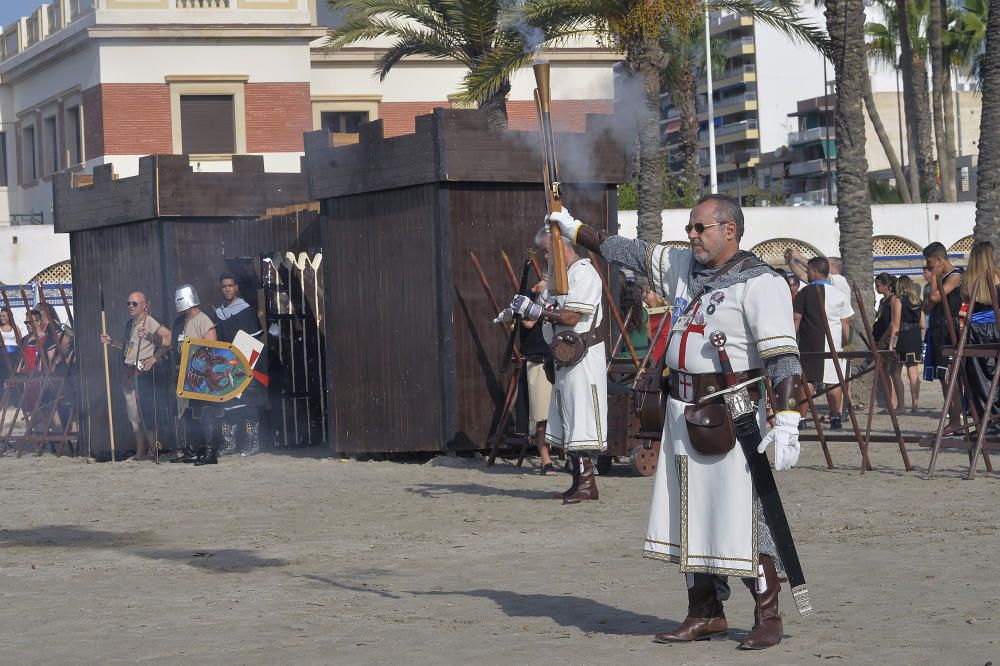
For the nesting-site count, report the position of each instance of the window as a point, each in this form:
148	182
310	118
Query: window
50	144
208	124
965	178
3	159
74	135
29	167
343	122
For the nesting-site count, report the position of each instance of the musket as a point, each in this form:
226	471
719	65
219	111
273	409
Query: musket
522	288
509	348
550	172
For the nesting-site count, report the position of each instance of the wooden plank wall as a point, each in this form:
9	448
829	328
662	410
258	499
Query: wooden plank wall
166	185
122	258
456	145
382	322
105	202
485	219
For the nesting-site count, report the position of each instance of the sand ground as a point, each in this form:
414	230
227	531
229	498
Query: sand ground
304	559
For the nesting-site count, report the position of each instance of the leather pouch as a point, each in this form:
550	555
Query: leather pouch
710	428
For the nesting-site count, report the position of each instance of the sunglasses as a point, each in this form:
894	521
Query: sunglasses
133	304
699	228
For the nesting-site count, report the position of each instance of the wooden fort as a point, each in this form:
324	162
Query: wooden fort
412	350
151	232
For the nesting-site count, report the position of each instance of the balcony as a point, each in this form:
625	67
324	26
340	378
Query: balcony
811	198
730	77
739	46
722	22
810	135
803	168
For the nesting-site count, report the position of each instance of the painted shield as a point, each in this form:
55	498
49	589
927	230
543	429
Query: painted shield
212	371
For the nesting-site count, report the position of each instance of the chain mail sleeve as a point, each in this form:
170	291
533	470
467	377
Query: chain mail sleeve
768	313
648	260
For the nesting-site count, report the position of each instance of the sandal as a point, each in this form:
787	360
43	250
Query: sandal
548	469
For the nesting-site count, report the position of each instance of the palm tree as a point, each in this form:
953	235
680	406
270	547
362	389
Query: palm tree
944	114
883	138
988	190
679	79
845	21
467	31
634	28
912	45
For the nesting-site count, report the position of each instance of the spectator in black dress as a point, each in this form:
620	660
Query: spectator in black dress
910	339
982	323
885	329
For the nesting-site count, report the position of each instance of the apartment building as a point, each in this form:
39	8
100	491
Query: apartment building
91	82
763	76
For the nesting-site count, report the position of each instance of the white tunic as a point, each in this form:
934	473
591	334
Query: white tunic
578	410
702	515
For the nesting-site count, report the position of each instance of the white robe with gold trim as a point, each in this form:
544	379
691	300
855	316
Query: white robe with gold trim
578	409
702	514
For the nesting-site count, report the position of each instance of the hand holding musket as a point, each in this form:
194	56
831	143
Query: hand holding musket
553	199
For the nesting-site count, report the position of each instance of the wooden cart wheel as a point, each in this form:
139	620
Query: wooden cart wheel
604	464
643	460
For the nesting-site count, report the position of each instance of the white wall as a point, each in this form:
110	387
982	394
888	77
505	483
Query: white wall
424	81
816	225
146	61
25	251
80	70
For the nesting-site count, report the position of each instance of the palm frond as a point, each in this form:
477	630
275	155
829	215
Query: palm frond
509	55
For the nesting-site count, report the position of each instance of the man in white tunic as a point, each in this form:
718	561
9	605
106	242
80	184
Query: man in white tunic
578	409
705	514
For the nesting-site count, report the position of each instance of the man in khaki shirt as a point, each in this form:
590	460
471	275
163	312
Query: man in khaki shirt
148	342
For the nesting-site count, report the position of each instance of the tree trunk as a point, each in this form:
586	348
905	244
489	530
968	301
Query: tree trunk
948	97
646	66
684	101
845	21
925	134
918	131
988	189
939	72
909	102
883	138
496	107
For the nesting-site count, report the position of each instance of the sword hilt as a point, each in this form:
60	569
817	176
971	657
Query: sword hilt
718	340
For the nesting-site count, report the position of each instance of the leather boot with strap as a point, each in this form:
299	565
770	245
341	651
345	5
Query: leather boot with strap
705	618
586	488
767	628
574	464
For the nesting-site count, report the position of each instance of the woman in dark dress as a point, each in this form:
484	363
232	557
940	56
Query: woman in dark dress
982	323
910	339
885	329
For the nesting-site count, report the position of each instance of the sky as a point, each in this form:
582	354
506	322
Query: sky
11	10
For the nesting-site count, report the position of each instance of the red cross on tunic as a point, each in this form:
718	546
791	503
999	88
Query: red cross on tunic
691	328
687	386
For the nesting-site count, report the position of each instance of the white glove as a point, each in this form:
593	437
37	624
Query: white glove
568	226
525	308
785	435
505	317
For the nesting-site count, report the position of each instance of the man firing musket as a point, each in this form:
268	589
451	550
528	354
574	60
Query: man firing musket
715	510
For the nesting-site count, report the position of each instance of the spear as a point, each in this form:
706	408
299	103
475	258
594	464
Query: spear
107	372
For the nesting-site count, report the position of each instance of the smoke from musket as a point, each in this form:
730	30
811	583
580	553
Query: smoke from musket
514	19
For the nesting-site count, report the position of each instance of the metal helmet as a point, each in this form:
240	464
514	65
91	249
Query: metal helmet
185	298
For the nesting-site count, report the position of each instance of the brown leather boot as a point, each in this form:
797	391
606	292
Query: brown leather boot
574	464
586	488
767	629
705	618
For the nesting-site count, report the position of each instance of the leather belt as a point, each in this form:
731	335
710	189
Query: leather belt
687	387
